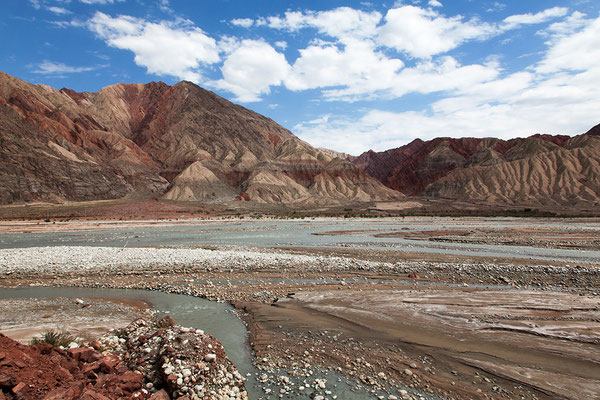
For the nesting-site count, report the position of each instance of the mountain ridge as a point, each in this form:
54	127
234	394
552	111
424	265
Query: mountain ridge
538	170
177	142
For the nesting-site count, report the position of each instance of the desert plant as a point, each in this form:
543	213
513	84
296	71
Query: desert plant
55	338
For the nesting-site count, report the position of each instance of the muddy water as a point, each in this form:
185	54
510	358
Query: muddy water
215	318
302	234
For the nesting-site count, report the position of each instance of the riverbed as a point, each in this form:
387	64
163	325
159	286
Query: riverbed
360	234
467	306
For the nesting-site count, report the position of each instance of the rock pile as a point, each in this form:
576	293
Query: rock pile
44	372
184	362
148	360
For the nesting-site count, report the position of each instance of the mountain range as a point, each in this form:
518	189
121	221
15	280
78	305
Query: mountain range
537	170
177	142
184	143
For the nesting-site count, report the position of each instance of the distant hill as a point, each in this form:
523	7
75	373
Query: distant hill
177	142
538	170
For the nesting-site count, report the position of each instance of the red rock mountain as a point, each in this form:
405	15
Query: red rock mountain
177	142
538	170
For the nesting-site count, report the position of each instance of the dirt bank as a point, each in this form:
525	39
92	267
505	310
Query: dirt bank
23	319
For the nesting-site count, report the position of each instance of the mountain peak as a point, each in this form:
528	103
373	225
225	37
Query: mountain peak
180	142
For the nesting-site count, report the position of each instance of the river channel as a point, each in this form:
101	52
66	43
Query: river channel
218	319
303	233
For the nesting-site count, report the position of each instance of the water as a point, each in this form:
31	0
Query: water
302	234
215	318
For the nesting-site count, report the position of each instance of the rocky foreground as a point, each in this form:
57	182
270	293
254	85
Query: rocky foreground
493	325
154	360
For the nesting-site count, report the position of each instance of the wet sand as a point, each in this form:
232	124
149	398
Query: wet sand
461	340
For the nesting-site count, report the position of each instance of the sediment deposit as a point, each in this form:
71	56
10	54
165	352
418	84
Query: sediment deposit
394	323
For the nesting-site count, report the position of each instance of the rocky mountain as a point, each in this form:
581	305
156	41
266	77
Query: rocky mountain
538	170
177	142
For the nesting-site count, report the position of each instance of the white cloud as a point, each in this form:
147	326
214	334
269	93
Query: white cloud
74	23
251	69
227	44
351	60
442	75
524	19
381	130
164	6
101	2
579	51
281	44
422	33
164	48
497	6
54	68
343	23
558	96
416	31
243	22
568	26
59	10
358	69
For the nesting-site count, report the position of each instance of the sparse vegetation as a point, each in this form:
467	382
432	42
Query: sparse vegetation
55	338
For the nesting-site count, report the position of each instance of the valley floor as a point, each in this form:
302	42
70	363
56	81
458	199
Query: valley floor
459	325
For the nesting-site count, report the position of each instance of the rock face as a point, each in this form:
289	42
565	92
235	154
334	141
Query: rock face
538	170
154	360
181	142
43	372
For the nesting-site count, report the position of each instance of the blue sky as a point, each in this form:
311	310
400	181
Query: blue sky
350	76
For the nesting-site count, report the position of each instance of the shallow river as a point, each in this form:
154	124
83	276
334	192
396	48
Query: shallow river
215	318
265	233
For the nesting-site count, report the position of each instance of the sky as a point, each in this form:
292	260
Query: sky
344	75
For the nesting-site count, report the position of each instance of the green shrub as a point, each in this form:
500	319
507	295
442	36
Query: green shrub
55	338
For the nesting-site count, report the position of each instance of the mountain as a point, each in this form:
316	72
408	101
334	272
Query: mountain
538	170
177	142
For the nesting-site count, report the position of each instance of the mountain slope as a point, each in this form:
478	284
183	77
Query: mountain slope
538	170
181	142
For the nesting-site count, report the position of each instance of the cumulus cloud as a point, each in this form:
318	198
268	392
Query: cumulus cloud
358	68
423	33
558	95
350	59
514	116
343	23
251	69
578	51
445	74
174	48
354	55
